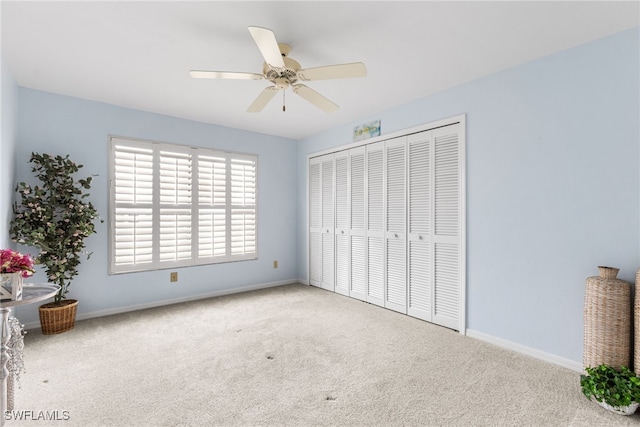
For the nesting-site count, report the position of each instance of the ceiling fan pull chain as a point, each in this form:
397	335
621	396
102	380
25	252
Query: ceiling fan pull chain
283	107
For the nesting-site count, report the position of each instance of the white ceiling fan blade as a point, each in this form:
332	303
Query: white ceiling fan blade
266	41
262	100
199	74
315	98
341	71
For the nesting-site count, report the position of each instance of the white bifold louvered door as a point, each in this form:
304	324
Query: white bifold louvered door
358	223
387	223
395	296
434	198
447	226
342	229
322	222
420	264
315	222
328	223
375	171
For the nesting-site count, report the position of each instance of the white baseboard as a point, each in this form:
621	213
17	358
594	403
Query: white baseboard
303	281
125	309
519	348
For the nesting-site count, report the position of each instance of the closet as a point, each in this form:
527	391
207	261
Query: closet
386	222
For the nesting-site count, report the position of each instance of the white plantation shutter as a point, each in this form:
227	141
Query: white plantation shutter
243	206
174	206
212	201
133	184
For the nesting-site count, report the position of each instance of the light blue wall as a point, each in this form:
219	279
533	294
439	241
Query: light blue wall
552	186
62	125
8	129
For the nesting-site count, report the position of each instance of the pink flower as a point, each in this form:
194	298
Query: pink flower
14	262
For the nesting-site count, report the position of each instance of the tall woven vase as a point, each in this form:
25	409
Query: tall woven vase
636	324
607	320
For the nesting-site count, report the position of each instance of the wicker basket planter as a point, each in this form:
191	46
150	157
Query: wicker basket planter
59	317
607	320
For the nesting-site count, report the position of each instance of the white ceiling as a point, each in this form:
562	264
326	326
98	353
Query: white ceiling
138	54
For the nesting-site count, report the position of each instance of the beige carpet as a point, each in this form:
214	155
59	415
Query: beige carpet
292	355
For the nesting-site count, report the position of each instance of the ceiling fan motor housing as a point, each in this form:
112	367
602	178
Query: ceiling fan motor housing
282	77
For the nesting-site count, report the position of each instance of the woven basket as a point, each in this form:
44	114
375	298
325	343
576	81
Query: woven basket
56	318
607	322
636	324
608	272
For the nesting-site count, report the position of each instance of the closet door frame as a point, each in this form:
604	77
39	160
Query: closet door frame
461	120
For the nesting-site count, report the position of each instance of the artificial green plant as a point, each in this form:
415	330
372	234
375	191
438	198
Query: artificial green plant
55	218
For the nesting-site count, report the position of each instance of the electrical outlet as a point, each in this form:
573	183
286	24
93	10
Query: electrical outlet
275	264
174	276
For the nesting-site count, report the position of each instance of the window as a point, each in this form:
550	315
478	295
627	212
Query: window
173	206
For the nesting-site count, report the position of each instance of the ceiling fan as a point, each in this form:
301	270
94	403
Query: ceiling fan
284	72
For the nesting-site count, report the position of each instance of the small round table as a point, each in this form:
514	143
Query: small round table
31	292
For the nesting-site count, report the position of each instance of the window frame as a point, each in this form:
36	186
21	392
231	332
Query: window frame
197	154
